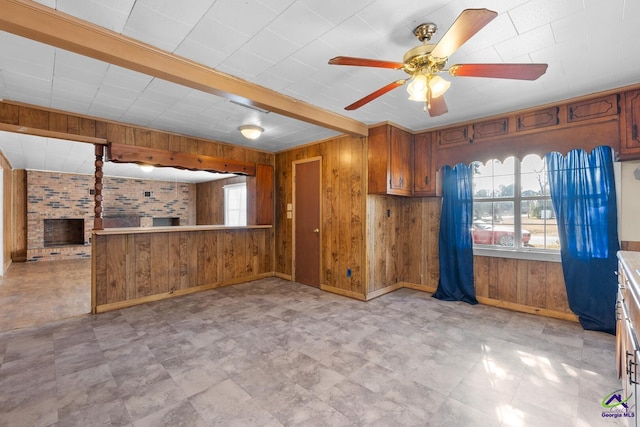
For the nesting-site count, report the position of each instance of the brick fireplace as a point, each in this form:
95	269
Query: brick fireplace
60	210
63	232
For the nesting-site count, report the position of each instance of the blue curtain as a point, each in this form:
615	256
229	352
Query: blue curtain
584	198
456	244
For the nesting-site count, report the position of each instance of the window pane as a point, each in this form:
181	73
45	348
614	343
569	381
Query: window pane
493	179
496	229
235	204
541	223
482	187
503	178
533	181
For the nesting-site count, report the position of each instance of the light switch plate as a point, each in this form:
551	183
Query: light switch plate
289	215
289	206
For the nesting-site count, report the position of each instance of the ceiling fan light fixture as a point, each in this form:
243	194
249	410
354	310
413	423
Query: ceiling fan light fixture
417	89
251	131
438	86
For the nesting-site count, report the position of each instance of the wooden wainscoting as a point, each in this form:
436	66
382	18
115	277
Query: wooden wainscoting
133	266
529	286
630	246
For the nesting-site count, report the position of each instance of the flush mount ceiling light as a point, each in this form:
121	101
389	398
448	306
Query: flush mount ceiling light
251	131
146	168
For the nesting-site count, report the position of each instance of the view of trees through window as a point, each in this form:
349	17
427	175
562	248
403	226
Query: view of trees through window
510	199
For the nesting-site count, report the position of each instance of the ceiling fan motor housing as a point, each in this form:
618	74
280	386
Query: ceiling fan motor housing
419	58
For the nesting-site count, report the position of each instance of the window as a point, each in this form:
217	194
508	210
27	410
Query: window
235	204
512	199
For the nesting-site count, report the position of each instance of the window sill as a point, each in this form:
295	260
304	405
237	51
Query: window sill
527	254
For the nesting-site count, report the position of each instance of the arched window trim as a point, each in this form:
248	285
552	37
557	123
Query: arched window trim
518	251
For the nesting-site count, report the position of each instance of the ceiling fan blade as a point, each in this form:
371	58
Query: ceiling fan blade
436	106
499	71
364	62
466	25
359	103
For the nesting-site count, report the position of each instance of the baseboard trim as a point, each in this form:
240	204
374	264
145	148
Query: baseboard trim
384	291
345	293
506	305
528	309
102	308
283	276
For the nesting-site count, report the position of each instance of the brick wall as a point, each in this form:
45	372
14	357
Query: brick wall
53	195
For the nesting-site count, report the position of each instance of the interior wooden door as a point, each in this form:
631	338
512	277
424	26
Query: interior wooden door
307	233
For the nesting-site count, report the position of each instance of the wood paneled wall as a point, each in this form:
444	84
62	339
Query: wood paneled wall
131	268
630	246
402	236
210	200
19	216
530	286
8	213
48	122
343	211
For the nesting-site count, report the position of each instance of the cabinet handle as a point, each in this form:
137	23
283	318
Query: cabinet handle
634	132
631	369
426	180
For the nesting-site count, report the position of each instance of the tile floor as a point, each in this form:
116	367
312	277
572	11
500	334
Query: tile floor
272	352
34	293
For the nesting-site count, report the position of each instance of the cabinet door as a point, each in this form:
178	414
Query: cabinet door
400	166
631	132
455	135
423	166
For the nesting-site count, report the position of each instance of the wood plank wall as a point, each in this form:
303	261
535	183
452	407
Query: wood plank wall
402	235
8	213
210	200
42	119
630	246
133	268
19	216
55	123
343	211
523	285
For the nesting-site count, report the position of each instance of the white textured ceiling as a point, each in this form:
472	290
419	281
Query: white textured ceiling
284	45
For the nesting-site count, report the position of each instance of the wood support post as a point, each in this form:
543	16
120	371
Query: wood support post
97	220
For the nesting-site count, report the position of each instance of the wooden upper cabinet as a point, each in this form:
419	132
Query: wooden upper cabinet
455	135
424	183
631	124
389	160
593	108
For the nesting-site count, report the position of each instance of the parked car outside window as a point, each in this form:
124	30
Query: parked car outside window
502	235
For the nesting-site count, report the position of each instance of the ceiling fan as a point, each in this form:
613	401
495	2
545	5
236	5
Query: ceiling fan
423	63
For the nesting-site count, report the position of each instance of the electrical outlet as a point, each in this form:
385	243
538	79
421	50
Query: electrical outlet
289	215
388	213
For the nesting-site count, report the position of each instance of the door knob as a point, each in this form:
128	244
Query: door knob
317	230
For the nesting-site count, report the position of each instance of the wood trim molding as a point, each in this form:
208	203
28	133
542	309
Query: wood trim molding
345	293
46	25
121	153
384	291
51	134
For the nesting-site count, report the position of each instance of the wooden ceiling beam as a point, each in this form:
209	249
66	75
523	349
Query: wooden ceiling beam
46	25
